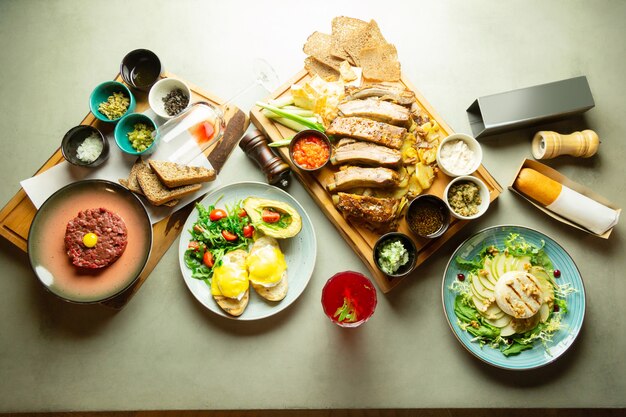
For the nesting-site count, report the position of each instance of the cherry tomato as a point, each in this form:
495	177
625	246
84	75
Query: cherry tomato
243	213
217	214
248	230
198	228
208	259
270	216
193	245
229	236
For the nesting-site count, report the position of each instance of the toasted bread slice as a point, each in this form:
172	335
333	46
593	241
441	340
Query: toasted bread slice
233	306
278	291
380	63
133	184
157	193
344	28
176	175
315	67
368	37
318	46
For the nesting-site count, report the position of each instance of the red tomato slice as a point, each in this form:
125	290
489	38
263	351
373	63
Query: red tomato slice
270	216
193	245
208	259
217	214
243	213
229	236
248	230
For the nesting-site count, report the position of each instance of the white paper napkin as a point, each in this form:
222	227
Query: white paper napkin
584	211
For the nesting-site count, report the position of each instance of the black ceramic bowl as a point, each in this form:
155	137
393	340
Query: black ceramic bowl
408	244
140	69
428	216
302	136
73	139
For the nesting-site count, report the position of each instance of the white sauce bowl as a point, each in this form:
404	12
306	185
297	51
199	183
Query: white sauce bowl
473	146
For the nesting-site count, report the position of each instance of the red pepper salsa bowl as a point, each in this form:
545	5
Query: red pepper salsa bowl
349	299
310	150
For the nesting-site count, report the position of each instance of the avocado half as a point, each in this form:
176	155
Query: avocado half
254	207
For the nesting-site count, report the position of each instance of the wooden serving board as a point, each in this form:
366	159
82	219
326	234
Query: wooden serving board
17	216
361	239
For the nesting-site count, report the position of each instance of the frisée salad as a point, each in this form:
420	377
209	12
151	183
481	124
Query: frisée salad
508	297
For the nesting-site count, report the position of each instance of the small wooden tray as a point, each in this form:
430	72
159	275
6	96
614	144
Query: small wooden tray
18	214
362	240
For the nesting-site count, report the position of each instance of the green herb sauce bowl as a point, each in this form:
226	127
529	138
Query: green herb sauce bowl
102	92
127	125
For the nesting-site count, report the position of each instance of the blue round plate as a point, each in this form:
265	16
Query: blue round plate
300	251
572	321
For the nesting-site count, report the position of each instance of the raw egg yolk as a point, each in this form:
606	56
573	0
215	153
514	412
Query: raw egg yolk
90	240
266	266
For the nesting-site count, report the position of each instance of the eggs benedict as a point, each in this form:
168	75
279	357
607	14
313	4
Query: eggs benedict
267	269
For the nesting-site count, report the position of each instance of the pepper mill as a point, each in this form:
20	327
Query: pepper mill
254	144
547	145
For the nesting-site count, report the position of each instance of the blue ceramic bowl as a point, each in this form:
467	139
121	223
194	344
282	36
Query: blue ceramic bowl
126	125
102	92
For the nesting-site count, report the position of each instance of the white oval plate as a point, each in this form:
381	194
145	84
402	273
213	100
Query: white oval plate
300	251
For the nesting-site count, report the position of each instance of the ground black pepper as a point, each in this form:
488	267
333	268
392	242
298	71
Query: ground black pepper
175	101
426	219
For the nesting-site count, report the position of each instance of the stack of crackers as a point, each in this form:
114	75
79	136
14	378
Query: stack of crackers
165	183
352	42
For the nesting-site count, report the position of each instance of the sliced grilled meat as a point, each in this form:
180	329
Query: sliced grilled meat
368	130
385	92
383	111
357	152
353	177
372	210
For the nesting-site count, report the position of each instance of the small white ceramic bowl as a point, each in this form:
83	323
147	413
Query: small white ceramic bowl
484	197
161	89
472	144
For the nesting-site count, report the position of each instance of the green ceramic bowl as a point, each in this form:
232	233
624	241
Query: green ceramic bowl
127	125
102	92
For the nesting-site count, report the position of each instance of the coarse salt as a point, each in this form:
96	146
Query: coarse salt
90	149
457	157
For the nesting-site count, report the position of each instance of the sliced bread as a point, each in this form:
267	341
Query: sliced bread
380	63
176	175
368	37
133	184
344	28
318	46
315	67
157	193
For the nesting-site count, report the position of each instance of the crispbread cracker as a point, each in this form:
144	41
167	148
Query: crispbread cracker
343	28
318	46
368	37
380	63
315	67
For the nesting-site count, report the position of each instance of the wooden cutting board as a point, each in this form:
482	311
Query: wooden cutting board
18	214
361	239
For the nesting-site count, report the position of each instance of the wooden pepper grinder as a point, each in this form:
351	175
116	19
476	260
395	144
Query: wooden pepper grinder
254	144
547	145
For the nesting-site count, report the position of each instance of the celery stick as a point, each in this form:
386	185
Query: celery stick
290	123
296	118
280	143
282	101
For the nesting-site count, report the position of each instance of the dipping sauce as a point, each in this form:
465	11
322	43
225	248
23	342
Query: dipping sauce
457	157
310	152
349	299
428	216
464	198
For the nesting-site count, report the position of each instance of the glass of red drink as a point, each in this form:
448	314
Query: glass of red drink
349	299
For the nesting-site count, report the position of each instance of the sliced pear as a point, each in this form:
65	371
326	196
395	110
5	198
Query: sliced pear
544	313
501	322
477	283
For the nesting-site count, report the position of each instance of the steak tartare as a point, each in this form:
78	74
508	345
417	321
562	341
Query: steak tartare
111	241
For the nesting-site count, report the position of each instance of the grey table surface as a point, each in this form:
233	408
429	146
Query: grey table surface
165	351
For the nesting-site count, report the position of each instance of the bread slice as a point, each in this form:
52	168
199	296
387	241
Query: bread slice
318	46
157	193
368	37
133	184
380	63
175	175
315	67
343	29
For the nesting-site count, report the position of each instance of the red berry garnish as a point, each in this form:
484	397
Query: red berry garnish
557	273
460	277
556	308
